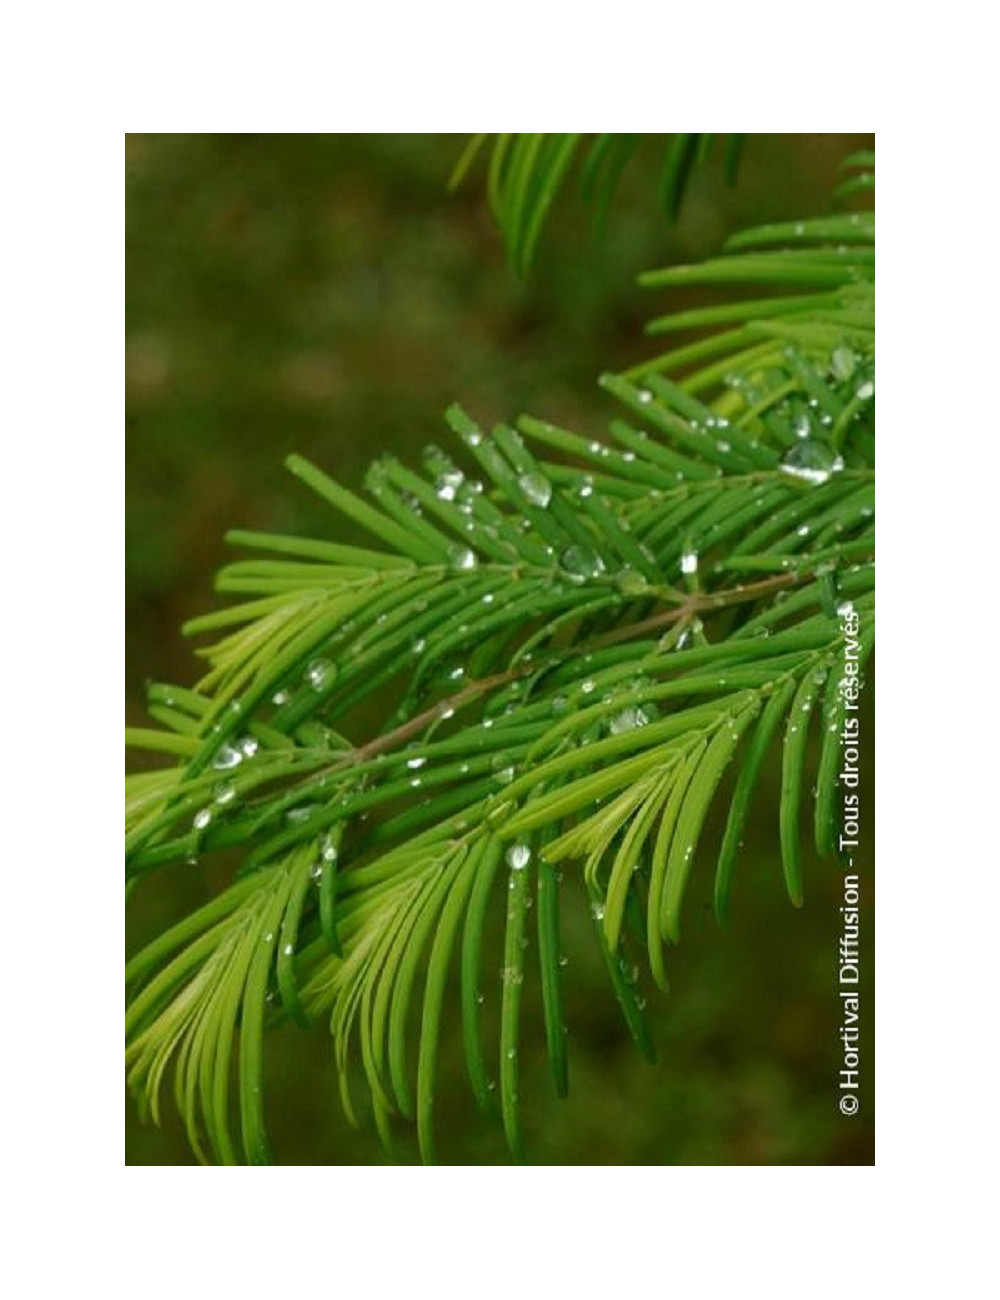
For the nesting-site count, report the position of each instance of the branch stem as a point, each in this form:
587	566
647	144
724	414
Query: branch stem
696	603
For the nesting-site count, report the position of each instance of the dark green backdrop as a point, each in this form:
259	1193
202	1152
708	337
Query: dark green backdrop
324	294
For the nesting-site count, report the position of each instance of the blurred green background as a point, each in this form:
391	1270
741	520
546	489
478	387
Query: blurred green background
324	294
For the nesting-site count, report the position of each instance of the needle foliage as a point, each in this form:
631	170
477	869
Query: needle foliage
525	174
574	649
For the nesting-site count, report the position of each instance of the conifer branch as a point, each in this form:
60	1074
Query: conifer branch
566	643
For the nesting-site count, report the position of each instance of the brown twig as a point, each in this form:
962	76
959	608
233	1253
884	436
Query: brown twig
697	603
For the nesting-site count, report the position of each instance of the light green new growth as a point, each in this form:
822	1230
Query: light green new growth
571	643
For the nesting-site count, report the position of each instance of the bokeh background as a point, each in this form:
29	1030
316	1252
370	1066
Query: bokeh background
324	294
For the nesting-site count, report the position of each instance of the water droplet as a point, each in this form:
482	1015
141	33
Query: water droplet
628	720
288	950
448	483
461	558
489	598
630	582
812	461
320	674
225	793
279	698
689	562
227	757
588	686
518	856
415	763
537	488
202	818
328	850
582	562
645	396
842	362
597	911
560	705
418	646
866	390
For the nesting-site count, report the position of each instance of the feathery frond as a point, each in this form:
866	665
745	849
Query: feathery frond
525	174
819	280
570	644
